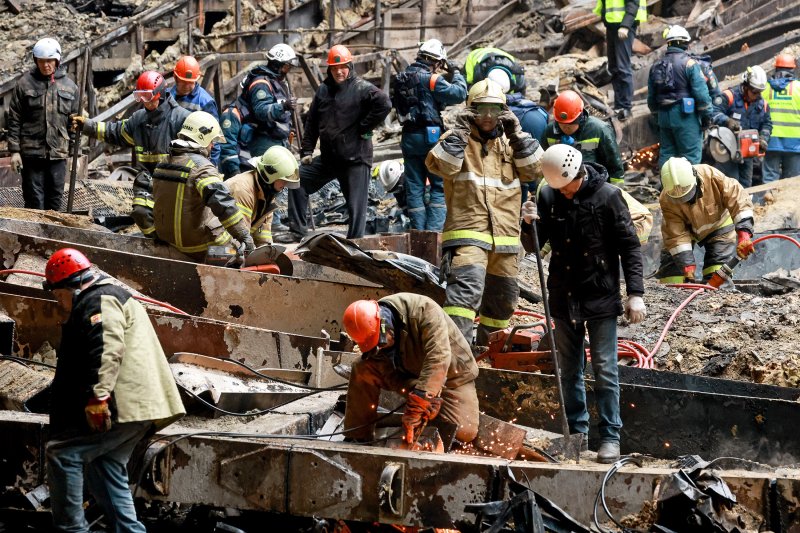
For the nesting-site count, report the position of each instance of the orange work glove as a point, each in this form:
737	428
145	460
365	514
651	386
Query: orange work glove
98	415
420	408
744	247
688	273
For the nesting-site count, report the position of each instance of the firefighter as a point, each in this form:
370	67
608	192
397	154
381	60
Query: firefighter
420	94
149	131
410	346
189	194
482	160
112	388
255	190
783	100
701	205
743	108
38	126
190	95
678	93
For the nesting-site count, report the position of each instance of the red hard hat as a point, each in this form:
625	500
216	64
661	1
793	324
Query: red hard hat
568	107
339	55
150	80
785	61
64	264
362	322
187	69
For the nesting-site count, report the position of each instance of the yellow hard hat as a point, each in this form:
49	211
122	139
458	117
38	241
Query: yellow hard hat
202	128
486	92
677	178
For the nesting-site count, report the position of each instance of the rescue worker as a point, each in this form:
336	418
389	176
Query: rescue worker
701	205
483	159
482	61
149	131
38	126
410	346
590	230
392	175
343	114
255	190
743	108
678	94
783	101
235	152
189	194
621	18
420	94
112	388
190	95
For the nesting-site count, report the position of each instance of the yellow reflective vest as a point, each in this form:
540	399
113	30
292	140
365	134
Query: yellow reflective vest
613	11
784	108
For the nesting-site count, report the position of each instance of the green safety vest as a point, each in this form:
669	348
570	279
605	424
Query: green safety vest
476	56
784	108
615	10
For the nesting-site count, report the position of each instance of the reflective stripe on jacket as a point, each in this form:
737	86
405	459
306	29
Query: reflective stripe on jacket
784	109
255	204
595	140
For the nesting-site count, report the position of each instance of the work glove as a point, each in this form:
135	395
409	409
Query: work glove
762	144
688	273
529	212
306	159
289	104
77	122
246	246
733	125
635	311
622	33
98	415
16	162
744	246
366	136
451	66
421	408
510	122
463	125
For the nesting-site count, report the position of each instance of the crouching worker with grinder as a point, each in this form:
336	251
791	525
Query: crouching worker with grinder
409	345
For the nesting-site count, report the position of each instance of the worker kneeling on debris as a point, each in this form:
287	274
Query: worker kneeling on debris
701	204
189	194
112	388
410	346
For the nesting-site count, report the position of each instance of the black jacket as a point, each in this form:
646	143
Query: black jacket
340	115
589	235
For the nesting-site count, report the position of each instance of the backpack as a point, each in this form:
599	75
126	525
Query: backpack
708	73
663	75
404	92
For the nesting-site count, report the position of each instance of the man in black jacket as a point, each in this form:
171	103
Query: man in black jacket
589	228
343	114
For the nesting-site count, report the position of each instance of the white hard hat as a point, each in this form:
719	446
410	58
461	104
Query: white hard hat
500	77
677	33
433	48
283	53
755	77
47	48
561	164
389	173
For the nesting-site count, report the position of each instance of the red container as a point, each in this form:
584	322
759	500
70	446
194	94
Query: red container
748	144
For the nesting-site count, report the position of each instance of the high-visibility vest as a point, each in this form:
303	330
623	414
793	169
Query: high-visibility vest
784	108
615	10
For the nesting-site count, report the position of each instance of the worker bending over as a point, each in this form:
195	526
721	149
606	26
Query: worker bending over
410	346
701	205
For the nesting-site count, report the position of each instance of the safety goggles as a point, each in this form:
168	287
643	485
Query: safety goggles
144	96
488	110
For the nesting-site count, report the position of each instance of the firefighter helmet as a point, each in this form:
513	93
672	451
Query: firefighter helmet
277	163
65	268
149	86
202	128
677	178
486	92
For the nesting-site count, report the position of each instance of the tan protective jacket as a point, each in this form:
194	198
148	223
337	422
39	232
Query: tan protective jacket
721	203
255	207
430	345
483	193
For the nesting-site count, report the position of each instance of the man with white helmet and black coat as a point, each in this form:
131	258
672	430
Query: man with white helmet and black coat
589	228
38	127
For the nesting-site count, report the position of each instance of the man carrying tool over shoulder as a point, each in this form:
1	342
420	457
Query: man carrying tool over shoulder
701	204
591	233
409	346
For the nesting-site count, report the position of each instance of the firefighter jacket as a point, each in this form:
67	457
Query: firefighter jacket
482	186
148	132
193	208
428	344
38	114
783	100
255	203
198	100
108	347
596	142
623	12
590	236
143	203
677	76
720	203
342	117
751	116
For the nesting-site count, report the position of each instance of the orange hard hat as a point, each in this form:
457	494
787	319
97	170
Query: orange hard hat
567	107
785	61
362	322
339	55
187	69
63	265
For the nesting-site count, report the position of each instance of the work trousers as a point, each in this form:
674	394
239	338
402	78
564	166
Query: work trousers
572	360
104	456
680	135
619	65
354	181
481	282
743	172
369	376
780	165
423	216
43	182
718	250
